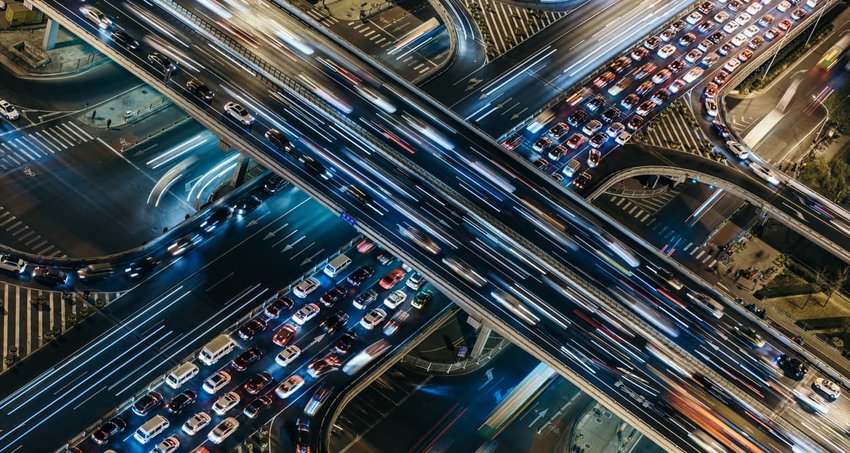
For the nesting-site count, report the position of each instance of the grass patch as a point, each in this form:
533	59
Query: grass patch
786	283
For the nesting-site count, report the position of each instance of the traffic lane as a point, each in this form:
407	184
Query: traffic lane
163	313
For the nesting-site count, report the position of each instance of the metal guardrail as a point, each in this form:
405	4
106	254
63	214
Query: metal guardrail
462	366
636	193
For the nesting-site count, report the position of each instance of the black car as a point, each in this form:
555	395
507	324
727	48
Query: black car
256	383
108	430
161	62
200	89
312	166
273	184
345	342
635	122
280	303
611	115
581	180
334	322
49	276
181	400
247	204
254	407
124	40
577	118
332	296
147	403
246	359
720	129
362	273
252	327
276	138
138	268
302	437
793	367
676	65
365	298
218	216
594	104
716	37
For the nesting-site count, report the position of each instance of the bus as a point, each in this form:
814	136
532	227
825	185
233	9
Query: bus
831	57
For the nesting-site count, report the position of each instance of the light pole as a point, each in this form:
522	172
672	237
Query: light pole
816	26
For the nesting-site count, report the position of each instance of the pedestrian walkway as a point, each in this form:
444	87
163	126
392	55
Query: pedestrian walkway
21	147
382	37
643	209
504	26
676	128
31	316
18	235
600	431
675	242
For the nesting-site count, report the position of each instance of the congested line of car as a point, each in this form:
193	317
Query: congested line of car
381	304
710	43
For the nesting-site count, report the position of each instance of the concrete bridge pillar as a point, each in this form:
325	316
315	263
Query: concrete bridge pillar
480	341
50	31
240	170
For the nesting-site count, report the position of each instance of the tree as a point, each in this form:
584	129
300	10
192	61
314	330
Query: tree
837	283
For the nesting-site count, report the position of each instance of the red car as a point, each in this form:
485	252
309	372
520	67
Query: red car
284	334
258	382
365	246
393	277
280	303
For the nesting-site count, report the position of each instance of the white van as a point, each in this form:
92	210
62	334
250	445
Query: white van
571	168
151	429
337	265
217	348
181	375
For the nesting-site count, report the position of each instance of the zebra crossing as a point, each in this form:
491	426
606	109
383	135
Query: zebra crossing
17	149
742	124
673	129
19	235
382	38
504	26
30	314
678	243
642	209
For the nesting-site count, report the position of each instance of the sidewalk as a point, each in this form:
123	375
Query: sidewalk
600	431
355	9
70	55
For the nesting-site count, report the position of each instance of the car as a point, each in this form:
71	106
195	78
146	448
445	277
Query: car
610	115
667	34
577	97
251	328
705	26
216	382
618	87
743	19
620	64
666	51
735	6
725	49
184	244
305	314
180	401
710	107
123	39
289	386
645	108
593	158
785	24
659	97
345	342
96	17
162	62
603	80
302	437
219	215
581	180
677	86
50	276
577	118
391	279
313	167
615	129
631	100
288	354
693	56
284	335
9	111
541	144
223	430
676	65
103	433
783	6
798	15
333	322
793	367
745	55
738	149
256	383
323	366
623	138
721	16
280	303
750	335
828	388
247	204
709	60
705	7
687	39
541	164
305	287
279	140
738	40
373	318
651	42
513	142
639	54
598	139
558	130
755	43
557	152
395	298
693	18
766	20
592	105
677	25
11	264
720	129
226	402
721	78
644	70
731	26
634	122
575	141
239	113
257	405
754	8
196	423
167	445
772	33
147	403
200	89
704	45
365	246
332	296
384	258
751	31
395	323
360	275
764	173
365	298
273	183
710	90
421	299
592	127
246	358
668	278
661	76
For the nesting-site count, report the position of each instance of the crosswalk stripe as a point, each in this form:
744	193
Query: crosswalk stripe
707	257
47	139
41	144
45	250
701	253
61	133
72	131
23	149
82	131
34	146
47	133
33	239
645	217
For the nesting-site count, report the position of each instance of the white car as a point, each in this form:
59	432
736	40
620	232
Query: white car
168	445
289	386
239	113
615	129
11	264
198	422
305	314
216	382
764	173
9	111
721	17
395	299
783	6
811	402
710	107
752	30
223	430
739	40
623	138
827	387
373	318
741	151
732	65
677	86
743	19
303	288
286	356
754	8
730	27
693	55
666	51
96	16
694	18
227	401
